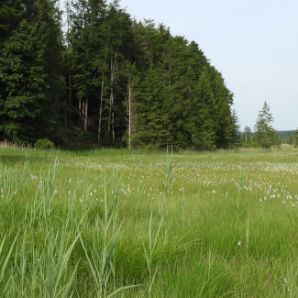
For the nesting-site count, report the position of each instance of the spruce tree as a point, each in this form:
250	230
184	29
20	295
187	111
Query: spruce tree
202	124
23	83
266	136
31	78
236	134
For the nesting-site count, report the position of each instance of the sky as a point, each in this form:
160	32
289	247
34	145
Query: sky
253	43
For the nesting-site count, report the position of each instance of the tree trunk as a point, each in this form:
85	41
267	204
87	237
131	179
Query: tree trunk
80	107
110	120
65	113
69	85
129	114
113	126
82	112
69	69
100	110
101	97
86	115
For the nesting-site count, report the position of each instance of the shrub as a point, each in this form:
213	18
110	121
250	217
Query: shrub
44	144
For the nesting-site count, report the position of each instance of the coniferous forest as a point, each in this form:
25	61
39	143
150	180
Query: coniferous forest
105	79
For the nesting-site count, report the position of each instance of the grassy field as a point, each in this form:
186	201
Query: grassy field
133	224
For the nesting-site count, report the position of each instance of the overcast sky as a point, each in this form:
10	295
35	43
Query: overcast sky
254	43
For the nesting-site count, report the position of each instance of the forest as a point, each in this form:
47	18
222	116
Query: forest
105	79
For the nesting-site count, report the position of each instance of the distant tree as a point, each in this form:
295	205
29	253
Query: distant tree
247	137
236	134
266	136
295	138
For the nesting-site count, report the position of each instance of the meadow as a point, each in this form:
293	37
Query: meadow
119	223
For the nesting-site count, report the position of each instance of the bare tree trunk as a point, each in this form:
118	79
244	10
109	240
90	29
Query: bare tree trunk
80	110
100	110
113	126
110	120
65	113
82	113
113	111
101	98
69	71
129	114
69	85
86	115
69	103
111	95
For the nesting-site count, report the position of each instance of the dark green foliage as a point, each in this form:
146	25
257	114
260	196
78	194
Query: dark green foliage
127	83
181	100
30	70
152	121
24	87
201	124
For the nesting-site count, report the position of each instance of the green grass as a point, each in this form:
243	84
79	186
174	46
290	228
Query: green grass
114	223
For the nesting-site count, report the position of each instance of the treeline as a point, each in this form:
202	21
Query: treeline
289	137
265	135
121	82
250	138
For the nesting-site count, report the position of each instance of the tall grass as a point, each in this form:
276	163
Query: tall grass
122	224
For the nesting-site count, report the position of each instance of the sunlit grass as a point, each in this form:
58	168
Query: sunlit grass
115	223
